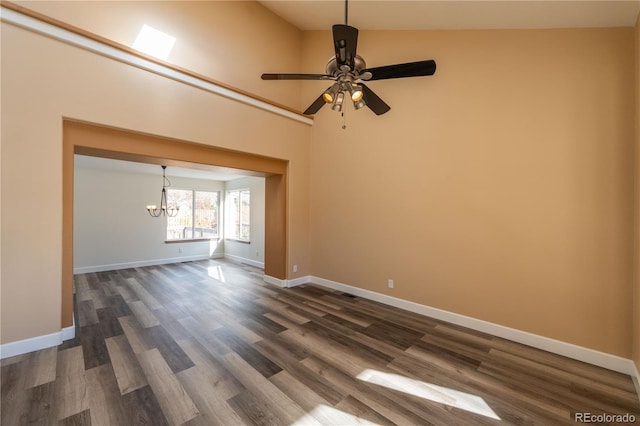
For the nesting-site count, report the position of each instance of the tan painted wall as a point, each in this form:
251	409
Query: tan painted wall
499	189
233	42
43	81
636	290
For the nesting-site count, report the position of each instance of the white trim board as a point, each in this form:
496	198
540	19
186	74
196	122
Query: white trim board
123	56
636	380
141	263
240	259
286	283
37	343
591	356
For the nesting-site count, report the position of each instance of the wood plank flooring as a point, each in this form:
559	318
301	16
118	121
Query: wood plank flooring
209	343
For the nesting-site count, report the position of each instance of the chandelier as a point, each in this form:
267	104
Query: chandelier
164	209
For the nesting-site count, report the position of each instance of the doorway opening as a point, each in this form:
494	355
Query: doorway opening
99	141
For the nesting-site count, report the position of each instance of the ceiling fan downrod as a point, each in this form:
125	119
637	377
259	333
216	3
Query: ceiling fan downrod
346	12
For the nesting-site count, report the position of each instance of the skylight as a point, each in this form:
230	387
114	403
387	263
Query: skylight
154	42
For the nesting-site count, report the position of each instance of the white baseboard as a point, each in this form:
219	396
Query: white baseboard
37	343
141	263
274	281
287	283
636	379
591	356
68	333
240	259
298	281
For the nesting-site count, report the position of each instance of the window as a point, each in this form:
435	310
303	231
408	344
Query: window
197	217
238	214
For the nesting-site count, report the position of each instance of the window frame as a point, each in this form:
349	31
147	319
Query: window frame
193	218
227	217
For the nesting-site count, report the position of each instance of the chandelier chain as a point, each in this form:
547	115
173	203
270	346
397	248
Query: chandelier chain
164	208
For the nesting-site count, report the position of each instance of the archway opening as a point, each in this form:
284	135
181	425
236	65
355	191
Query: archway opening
106	142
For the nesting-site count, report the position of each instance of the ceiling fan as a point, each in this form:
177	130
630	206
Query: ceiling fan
349	70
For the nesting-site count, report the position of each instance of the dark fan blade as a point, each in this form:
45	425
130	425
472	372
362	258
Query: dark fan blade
411	69
373	101
296	77
345	42
315	106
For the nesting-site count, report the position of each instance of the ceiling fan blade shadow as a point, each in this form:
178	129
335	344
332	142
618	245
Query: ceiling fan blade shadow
315	106
345	43
410	69
296	77
373	101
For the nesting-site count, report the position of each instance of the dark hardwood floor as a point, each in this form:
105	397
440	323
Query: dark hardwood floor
206	343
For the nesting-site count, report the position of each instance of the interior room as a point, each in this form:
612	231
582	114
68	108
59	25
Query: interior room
129	238
446	230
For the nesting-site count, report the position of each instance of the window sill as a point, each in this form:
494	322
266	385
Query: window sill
193	240
238	241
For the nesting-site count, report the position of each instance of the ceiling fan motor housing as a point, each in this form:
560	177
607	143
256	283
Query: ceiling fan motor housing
333	70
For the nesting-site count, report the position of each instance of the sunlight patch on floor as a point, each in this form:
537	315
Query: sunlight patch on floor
440	394
216	273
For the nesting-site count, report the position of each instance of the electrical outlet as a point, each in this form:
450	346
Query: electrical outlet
390	282
179	249
295	268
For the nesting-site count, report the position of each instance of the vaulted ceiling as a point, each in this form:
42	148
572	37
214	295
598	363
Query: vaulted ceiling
453	14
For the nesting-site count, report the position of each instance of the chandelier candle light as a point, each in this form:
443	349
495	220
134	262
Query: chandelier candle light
164	209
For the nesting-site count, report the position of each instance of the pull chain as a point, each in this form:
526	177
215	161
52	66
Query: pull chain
344	122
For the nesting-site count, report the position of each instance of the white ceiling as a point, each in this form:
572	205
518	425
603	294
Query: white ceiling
120	166
454	14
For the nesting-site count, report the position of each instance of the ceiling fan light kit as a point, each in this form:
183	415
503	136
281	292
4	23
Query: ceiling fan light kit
356	92
330	94
337	104
349	71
